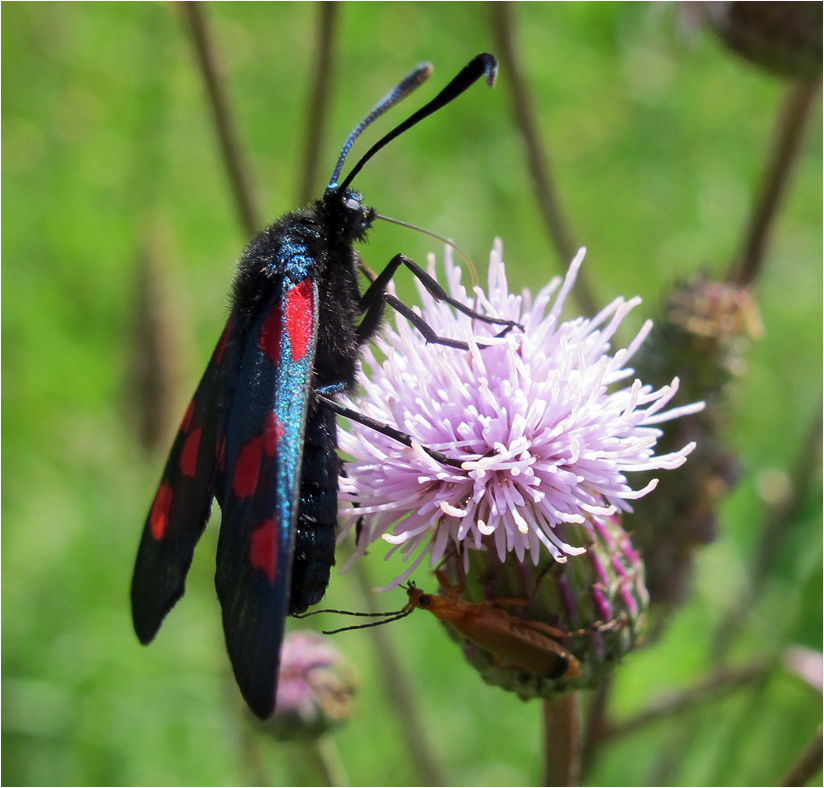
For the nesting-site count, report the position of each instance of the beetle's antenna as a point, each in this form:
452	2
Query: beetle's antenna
415	79
482	65
346	613
394	617
387	616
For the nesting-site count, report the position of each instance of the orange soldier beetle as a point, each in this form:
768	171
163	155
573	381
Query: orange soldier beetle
512	641
531	646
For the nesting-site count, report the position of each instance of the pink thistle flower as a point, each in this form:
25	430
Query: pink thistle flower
546	434
316	685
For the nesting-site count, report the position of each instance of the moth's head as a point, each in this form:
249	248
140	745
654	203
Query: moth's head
353	216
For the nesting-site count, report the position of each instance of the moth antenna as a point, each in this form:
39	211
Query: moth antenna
482	65
414	79
461	253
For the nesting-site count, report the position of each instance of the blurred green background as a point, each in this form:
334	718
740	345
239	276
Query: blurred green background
109	158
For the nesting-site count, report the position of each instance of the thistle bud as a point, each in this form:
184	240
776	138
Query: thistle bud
784	38
705	334
596	603
316	685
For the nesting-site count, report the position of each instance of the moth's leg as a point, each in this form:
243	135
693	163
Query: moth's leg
373	300
416	320
384	429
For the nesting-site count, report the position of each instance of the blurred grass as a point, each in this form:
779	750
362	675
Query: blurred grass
657	145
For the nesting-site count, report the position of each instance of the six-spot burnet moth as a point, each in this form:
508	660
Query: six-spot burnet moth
260	432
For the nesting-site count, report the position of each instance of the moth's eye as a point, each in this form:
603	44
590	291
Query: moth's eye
424	600
352	204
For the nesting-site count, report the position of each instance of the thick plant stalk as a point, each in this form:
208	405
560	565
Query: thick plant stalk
562	740
317	108
546	193
808	763
792	123
224	124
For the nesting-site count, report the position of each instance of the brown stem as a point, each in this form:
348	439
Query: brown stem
808	763
546	193
804	473
319	102
221	115
153	381
719	683
792	120
562	740
399	691
596	726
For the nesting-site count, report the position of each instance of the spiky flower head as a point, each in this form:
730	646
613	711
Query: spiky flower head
542	418
541	588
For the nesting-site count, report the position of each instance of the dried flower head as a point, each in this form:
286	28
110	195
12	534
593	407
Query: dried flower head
705	333
545	430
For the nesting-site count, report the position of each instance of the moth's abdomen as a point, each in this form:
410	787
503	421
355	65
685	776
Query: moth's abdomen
318	512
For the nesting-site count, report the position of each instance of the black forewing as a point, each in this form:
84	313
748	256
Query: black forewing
183	501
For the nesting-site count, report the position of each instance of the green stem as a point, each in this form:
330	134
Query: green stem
718	684
597	726
562	740
321	757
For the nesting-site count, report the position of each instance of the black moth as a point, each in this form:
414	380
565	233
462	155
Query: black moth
260	432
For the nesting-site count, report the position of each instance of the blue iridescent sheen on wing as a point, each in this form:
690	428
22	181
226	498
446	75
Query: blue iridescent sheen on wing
260	491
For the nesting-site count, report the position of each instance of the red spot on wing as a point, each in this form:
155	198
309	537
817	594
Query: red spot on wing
300	309
272	433
187	418
188	457
159	516
220	454
224	340
247	470
263	551
270	336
